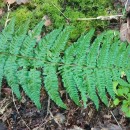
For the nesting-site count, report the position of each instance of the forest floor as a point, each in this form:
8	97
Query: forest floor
23	115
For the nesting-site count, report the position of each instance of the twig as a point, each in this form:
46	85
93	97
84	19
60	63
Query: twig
126	4
48	107
101	18
7	18
18	112
97	18
116	120
51	113
54	118
59	10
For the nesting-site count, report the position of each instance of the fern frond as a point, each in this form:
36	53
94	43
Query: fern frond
10	72
51	84
31	83
77	53
79	81
27	48
128	75
79	49
10	68
5	38
83	46
104	51
2	63
120	53
60	42
113	53
93	54
125	57
91	88
69	84
42	50
37	30
87	69
101	85
18	38
9	29
109	82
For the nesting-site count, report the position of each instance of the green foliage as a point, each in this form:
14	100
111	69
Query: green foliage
123	98
87	69
35	10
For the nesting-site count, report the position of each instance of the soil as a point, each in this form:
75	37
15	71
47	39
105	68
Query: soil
23	115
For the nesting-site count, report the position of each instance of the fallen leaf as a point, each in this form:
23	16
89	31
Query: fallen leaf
47	21
108	126
1	12
60	118
37	128
95	129
128	5
3	105
125	32
104	129
22	1
7	91
113	127
76	128
6	115
10	1
107	116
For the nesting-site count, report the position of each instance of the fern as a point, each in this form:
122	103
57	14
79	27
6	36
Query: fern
87	67
5	38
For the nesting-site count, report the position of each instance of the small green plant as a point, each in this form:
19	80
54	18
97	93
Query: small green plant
87	67
123	98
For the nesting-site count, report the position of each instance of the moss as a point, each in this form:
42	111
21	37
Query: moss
2	4
22	14
72	9
80	26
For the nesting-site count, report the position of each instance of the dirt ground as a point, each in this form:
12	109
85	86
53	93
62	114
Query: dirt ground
23	115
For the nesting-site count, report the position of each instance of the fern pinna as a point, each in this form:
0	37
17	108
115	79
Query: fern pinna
87	68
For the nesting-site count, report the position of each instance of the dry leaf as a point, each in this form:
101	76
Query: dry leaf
37	128
6	115
7	91
76	128
128	6
3	105
128	30
10	1
22	1
123	32
60	118
47	21
1	12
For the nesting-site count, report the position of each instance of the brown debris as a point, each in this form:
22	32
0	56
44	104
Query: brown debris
125	31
